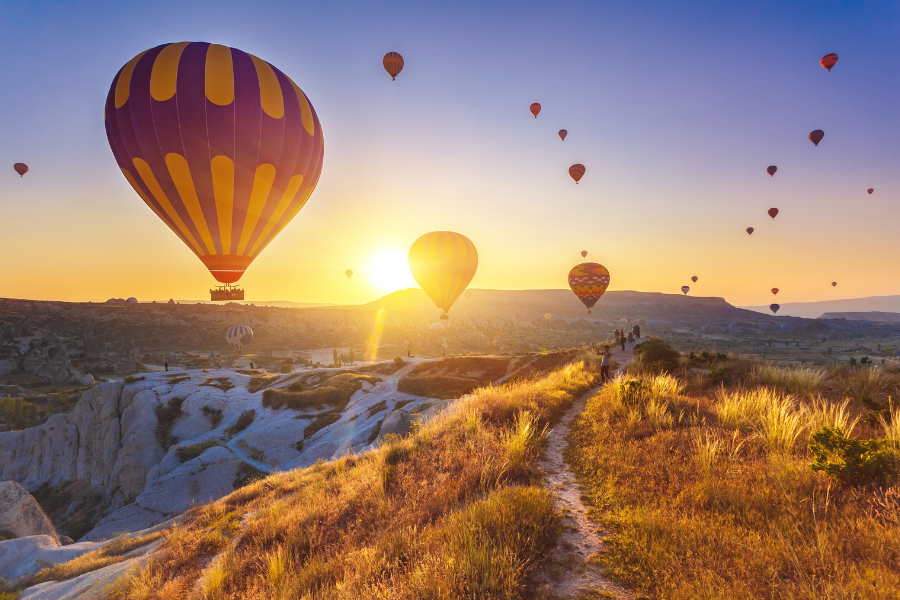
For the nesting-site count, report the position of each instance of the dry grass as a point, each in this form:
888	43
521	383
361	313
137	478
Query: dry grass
722	503
334	392
436	386
455	510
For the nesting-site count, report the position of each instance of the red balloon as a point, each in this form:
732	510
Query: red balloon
771	170
775	290
562	134
583	253
535	109
833	283
816	136
870	190
393	64
576	172
749	231
22	168
773	212
828	61
694	279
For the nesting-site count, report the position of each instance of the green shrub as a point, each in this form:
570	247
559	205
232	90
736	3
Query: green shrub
849	461
657	354
243	422
186	453
720	375
166	417
213	414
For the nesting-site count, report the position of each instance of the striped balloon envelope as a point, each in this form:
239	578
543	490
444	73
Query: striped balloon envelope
589	281
239	336
221	145
443	264
393	64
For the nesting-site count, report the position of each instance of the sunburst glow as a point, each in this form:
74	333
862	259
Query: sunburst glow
389	271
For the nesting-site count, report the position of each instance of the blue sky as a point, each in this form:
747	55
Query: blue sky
675	109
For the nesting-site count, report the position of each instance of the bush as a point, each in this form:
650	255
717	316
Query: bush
166	417
657	354
286	367
436	386
720	375
247	417
186	453
858	462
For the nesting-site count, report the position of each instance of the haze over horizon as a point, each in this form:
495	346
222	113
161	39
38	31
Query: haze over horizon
675	146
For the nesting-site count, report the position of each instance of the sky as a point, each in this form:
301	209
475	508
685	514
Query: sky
675	109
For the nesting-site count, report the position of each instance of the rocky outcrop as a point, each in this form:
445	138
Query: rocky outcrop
21	515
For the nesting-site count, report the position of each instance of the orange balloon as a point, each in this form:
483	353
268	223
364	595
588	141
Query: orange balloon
589	281
562	134
774	290
694	278
21	168
348	273
576	172
583	253
828	61
535	109
393	64
771	170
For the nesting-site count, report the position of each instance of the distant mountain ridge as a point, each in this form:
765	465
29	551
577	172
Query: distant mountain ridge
813	310
879	317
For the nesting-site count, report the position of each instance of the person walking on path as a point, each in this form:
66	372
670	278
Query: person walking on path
622	340
604	365
630	337
166	365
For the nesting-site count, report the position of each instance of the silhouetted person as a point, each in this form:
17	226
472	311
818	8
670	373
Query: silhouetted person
252	367
604	364
622	340
630	337
637	331
166	365
409	354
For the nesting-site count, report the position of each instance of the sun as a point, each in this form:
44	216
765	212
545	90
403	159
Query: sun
389	271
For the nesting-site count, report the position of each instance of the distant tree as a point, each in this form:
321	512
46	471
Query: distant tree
852	362
352	358
337	358
864	360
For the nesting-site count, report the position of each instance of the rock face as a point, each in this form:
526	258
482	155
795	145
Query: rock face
21	515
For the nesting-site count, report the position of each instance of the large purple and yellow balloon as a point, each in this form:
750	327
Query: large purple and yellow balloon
221	145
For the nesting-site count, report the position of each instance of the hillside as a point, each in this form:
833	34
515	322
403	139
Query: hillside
877	316
812	310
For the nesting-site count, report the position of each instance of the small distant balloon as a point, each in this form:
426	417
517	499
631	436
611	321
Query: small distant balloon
576	172
623	321
749	231
548	316
583	253
774	308
773	212
828	61
349	273
816	136
775	290
562	134
771	170
535	109
870	190
393	64
21	168
685	289
694	279
834	284
437	327
238	336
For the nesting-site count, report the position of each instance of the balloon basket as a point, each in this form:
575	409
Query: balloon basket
226	292
445	317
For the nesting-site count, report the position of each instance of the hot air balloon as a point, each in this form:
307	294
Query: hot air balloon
21	169
548	316
583	253
774	308
562	134
348	273
685	289
775	291
694	279
576	172
393	64
771	170
535	109
870	190
828	61
589	281
749	231
239	336
623	322
816	136
437	327
443	263
773	212
221	145
833	283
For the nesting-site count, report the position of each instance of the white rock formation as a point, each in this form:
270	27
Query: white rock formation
21	515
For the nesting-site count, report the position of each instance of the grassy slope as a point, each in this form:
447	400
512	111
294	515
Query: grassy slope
707	491
455	510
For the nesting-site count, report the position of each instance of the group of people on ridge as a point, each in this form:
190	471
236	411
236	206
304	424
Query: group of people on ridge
620	338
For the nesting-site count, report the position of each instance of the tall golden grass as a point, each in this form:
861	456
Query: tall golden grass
455	510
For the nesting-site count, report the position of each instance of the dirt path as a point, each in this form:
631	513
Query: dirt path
576	578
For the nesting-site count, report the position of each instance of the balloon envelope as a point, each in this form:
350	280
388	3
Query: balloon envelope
437	327
239	336
576	172
685	289
694	279
443	263
773	212
21	168
562	134
833	283
393	64
349	273
816	136
774	308
749	231
583	253
870	190
535	109
771	170
221	145
548	316
775	290
828	61
589	281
